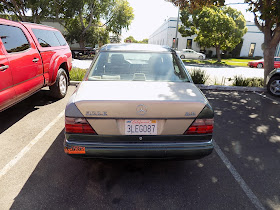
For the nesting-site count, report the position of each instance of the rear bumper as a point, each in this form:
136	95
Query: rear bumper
139	150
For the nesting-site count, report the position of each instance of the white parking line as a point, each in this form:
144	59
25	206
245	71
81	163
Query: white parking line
264	96
29	146
253	198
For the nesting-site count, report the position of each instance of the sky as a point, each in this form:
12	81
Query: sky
149	15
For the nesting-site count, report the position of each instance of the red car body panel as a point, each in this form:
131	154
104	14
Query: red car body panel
255	63
7	92
31	69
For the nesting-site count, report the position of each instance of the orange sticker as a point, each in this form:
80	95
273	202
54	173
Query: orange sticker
75	150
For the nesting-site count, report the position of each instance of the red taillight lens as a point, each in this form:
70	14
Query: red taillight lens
200	126
78	125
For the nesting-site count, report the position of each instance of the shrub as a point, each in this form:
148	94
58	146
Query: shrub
198	76
77	74
249	82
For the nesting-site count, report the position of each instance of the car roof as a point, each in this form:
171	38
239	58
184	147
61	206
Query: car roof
32	25
38	26
133	47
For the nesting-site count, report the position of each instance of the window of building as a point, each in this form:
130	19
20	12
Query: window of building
189	44
252	49
13	38
174	43
46	38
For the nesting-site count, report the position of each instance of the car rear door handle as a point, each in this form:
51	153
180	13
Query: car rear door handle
35	60
3	68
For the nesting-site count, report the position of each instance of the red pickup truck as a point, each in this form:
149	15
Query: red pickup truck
31	56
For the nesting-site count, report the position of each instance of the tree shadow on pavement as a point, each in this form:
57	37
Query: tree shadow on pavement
61	182
247	129
23	108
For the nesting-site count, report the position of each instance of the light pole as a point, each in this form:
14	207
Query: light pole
176	35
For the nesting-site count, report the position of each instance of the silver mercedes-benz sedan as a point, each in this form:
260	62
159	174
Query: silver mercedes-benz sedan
138	101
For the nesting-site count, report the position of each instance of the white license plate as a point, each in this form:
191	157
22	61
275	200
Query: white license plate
140	127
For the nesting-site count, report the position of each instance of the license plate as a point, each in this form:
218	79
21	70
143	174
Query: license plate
140	127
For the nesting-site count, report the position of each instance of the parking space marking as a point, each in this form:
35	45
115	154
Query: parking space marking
253	198
29	146
264	96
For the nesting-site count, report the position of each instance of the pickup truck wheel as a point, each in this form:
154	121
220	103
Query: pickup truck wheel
59	88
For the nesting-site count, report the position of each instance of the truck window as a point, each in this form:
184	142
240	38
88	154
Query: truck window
60	38
13	38
46	38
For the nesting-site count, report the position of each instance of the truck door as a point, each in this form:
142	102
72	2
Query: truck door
24	59
7	92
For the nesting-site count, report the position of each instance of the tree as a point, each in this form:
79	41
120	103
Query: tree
39	9
16	7
130	39
192	5
82	18
144	41
219	27
267	19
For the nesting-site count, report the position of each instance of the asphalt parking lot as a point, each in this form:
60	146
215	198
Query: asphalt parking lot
241	173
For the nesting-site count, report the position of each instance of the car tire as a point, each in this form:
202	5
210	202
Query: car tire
273	86
59	88
200	57
260	65
182	57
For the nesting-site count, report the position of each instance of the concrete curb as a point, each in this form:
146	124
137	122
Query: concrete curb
74	83
214	87
231	88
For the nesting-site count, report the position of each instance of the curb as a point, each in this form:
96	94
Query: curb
74	83
213	87
230	88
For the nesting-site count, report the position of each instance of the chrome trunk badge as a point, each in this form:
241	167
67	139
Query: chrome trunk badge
141	109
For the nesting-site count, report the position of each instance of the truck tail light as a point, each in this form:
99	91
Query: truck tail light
201	126
78	125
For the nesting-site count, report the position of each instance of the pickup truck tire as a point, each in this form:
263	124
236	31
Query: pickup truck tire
59	88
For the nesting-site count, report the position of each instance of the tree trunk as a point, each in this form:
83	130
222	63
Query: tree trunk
218	53
269	52
82	41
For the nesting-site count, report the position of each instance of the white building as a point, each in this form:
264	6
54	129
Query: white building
252	40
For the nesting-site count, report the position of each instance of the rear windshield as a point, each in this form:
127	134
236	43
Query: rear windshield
138	66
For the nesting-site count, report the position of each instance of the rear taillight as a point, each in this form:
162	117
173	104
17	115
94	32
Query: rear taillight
78	125
201	126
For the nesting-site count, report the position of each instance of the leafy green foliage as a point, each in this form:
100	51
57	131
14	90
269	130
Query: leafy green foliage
121	16
219	27
131	39
199	76
77	74
19	8
267	18
248	82
192	5
82	19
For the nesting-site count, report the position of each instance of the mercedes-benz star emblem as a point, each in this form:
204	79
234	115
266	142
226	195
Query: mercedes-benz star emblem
141	109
